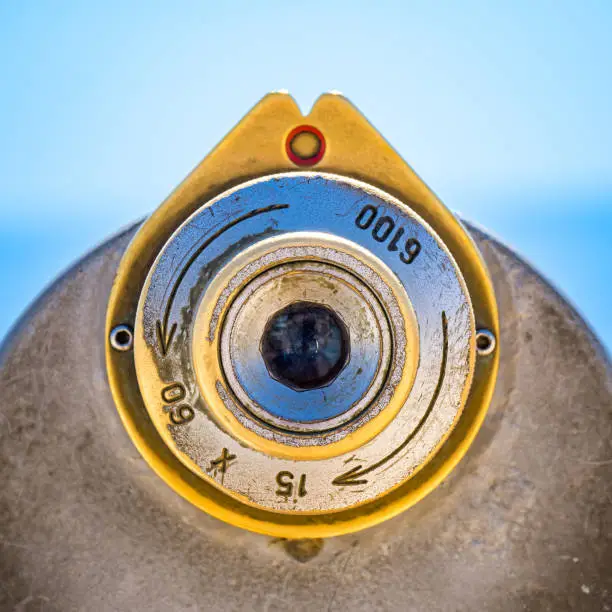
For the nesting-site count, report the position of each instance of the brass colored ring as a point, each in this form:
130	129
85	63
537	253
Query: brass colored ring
214	305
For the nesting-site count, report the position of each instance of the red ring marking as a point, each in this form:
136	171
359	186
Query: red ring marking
305	161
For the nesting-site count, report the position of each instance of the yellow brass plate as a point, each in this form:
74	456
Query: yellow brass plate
257	147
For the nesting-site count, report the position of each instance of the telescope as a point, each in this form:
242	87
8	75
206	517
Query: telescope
302	382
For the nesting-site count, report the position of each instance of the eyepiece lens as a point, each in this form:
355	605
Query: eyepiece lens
305	346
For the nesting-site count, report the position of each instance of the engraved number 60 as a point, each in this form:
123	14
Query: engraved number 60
179	413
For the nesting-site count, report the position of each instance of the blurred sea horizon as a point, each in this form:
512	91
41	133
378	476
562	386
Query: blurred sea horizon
504	109
567	237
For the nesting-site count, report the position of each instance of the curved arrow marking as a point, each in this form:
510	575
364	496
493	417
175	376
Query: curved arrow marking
165	334
355	475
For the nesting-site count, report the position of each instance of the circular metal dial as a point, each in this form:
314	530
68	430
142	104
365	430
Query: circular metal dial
344	246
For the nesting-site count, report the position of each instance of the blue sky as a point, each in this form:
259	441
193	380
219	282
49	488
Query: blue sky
502	107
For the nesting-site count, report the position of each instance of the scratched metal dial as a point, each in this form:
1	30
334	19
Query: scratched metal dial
426	339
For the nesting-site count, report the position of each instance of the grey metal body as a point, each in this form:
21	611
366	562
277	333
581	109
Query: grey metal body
523	523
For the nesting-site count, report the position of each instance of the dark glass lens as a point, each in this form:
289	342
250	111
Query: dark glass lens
305	346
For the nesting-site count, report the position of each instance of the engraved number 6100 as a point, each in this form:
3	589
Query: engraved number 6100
384	229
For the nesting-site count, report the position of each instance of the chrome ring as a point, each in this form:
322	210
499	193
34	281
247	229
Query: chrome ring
356	387
270	222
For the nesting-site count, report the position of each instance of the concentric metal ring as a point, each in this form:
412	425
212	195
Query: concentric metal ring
314	410
333	260
227	467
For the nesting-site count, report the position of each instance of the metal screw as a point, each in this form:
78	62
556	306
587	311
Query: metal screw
485	342
122	338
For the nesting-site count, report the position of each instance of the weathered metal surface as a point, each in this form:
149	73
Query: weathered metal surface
524	521
316	218
209	433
